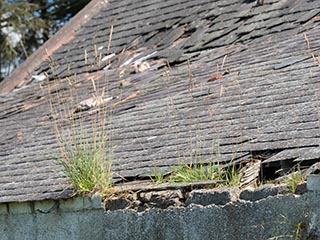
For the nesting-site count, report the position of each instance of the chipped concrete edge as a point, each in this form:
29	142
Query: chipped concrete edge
181	198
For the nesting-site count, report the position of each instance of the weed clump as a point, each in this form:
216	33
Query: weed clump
86	166
83	150
196	172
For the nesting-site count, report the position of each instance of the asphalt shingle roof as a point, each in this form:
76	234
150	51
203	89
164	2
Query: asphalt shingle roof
228	80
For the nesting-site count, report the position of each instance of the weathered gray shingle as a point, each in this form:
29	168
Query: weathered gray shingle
266	103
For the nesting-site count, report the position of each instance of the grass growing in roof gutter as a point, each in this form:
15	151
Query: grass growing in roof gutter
196	172
86	165
81	130
82	138
192	172
86	169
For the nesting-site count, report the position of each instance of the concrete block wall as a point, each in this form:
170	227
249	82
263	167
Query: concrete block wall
275	217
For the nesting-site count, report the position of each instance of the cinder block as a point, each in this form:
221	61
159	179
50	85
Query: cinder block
46	206
20	208
72	204
3	209
217	196
94	202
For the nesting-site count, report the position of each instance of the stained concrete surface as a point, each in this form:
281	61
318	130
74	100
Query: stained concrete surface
275	217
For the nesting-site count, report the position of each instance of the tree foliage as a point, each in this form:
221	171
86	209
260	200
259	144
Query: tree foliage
26	25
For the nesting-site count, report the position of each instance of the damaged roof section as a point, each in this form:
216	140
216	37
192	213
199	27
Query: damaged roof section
183	81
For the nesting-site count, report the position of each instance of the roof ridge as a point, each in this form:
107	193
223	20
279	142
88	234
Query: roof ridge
21	75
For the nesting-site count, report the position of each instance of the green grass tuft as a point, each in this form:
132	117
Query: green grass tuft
82	143
192	172
197	172
87	169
